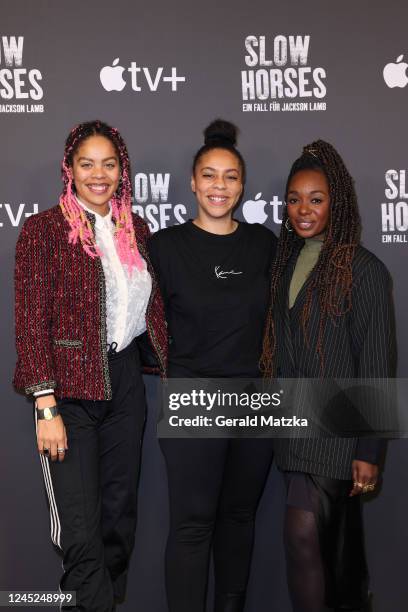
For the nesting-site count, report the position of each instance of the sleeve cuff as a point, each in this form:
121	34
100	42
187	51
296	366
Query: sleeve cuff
43	392
370	450
33	389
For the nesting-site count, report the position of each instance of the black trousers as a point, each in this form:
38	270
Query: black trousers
93	492
214	489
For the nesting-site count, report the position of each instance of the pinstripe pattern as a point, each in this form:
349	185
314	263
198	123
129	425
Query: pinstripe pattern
357	345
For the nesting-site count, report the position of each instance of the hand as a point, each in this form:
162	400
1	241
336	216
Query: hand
363	474
51	434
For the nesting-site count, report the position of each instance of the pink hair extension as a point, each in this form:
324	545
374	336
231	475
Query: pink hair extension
121	203
80	227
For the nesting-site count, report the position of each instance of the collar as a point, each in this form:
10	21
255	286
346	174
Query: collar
313	245
101	222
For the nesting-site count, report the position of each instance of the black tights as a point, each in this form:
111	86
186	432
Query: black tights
214	490
324	545
304	563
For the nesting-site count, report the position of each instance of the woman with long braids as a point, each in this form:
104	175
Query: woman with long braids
331	317
85	290
214	276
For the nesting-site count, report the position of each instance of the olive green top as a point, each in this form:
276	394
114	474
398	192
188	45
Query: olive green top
305	263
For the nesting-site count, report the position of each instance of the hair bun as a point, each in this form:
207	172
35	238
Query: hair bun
220	131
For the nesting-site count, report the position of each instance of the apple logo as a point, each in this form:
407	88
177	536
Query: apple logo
254	210
395	75
111	77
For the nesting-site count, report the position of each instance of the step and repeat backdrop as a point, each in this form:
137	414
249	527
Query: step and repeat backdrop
160	72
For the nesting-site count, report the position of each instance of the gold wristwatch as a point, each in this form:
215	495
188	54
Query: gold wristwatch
47	414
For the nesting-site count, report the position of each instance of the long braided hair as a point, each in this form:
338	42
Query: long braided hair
333	272
80	226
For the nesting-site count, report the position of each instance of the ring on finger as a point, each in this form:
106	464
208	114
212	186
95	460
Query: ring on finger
60	451
358	484
46	451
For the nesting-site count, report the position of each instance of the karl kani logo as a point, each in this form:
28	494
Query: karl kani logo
221	274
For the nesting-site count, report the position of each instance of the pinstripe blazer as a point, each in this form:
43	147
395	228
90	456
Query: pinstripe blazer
360	344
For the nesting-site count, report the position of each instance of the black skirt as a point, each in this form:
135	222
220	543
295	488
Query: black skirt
340	528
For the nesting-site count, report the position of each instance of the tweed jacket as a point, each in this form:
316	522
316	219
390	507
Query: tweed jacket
60	313
360	344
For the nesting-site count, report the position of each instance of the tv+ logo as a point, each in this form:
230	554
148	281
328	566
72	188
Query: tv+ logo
112	77
11	214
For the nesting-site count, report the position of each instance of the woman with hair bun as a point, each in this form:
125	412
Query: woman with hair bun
331	317
85	290
213	273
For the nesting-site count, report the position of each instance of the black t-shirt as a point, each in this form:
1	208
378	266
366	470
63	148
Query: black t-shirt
216	292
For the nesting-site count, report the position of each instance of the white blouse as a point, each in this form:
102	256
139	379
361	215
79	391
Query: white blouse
127	293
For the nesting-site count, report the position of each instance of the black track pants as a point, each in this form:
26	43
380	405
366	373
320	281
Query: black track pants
93	492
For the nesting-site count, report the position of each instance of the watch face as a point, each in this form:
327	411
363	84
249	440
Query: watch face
47	414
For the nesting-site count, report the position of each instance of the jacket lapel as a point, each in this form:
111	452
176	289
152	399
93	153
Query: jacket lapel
284	314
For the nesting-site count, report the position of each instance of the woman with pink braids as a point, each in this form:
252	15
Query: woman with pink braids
85	291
